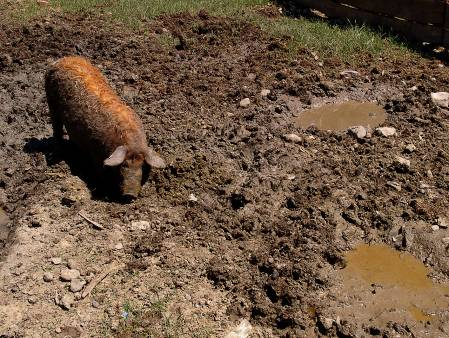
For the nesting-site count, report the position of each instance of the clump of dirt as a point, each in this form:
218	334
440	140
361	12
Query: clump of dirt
243	222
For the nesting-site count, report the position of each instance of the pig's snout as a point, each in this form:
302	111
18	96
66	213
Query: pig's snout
131	182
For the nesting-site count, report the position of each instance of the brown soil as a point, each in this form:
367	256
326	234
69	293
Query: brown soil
264	236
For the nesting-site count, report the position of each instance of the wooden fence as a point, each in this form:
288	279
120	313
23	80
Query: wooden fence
421	20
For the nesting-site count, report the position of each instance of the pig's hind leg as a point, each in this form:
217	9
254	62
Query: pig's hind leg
56	122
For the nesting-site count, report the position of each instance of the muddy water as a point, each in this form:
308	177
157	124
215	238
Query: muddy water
340	117
392	284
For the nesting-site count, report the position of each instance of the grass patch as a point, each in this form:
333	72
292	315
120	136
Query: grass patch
349	44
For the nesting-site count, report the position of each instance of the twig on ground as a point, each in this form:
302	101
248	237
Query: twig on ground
96	225
97	279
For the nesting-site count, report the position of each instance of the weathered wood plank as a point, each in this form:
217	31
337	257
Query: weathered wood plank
423	11
409	29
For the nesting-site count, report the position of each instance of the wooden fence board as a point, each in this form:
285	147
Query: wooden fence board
423	11
412	30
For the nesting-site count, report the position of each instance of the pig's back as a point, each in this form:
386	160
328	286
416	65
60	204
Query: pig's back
94	116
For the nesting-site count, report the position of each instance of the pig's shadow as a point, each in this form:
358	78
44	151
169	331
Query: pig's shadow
80	165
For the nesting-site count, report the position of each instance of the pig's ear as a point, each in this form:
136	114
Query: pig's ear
153	159
116	158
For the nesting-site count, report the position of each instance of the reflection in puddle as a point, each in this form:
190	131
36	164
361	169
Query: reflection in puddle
341	116
393	282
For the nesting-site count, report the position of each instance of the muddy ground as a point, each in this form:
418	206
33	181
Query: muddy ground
242	224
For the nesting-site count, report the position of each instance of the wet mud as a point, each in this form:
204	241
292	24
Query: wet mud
242	224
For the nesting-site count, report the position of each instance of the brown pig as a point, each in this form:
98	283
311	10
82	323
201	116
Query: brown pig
98	122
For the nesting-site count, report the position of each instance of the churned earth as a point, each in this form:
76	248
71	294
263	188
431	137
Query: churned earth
247	222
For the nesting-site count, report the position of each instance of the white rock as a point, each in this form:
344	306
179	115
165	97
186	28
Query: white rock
402	163
358	131
441	99
265	92
410	148
193	198
242	331
435	227
48	277
445	240
443	222
56	260
140	225
68	274
349	72
245	103
77	285
293	138
386	131
66	301
395	185
118	246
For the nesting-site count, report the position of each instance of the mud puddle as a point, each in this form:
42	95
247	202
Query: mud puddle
341	116
391	284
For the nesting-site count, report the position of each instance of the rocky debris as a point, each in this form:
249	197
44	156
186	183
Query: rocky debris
32	300
386	131
245	103
48	277
71	264
118	246
77	285
292	138
243	330
66	301
325	323
265	92
68	274
443	222
193	198
445	240
95	304
435	227
358	132
441	99
410	148
407	237
402	164
56	260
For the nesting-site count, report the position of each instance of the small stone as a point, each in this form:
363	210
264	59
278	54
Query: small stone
58	330
414	88
243	330
118	246
56	260
429	173
245	103
410	148
440	99
349	73
95	304
48	277
193	198
435	227
394	185
251	76
265	92
445	240
68	274
386	131
402	164
5	60
358	132
71	264
66	301
140	225
443	222
293	138
32	300
77	285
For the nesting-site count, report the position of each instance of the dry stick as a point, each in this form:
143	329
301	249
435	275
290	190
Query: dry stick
97	279
95	224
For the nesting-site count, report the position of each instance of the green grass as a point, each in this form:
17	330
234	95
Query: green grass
348	44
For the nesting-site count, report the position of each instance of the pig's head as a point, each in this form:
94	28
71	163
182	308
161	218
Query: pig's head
131	165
